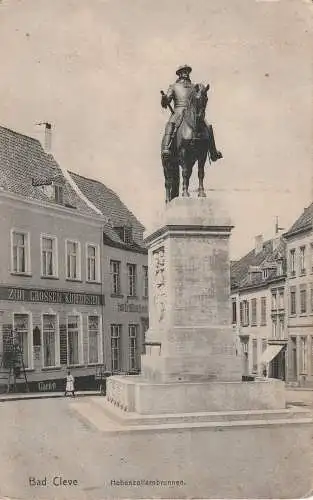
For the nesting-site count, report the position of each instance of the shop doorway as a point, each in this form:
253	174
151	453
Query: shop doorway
278	366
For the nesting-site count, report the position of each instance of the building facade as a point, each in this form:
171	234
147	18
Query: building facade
124	266
57	270
299	241
258	309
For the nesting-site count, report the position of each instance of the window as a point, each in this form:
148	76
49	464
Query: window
115	267
145	281
293	301
125	233
20	252
265	273
115	347
49	339
311	354
311	298
311	257
58	194
280	269
292	262
263	310
72	261
92	263
281	299
245	313
73	325
281	327
48	256
274	328
131	271
21	329
253	312
264	344
303	354
234	312
303	300
93	339
241	313
133	334
274	300
254	355
302	260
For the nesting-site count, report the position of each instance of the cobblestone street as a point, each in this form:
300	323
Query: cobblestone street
64	438
47	438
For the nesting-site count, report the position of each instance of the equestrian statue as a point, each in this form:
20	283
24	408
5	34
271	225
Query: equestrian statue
188	138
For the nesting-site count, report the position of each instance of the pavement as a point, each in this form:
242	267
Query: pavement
43	395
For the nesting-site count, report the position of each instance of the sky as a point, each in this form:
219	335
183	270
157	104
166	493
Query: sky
95	70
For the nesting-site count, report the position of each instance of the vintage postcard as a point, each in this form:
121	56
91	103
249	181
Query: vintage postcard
156	254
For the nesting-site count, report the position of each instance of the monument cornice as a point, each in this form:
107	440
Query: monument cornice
194	230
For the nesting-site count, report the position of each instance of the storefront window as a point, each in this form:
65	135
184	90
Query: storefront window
93	338
73	340
49	334
115	347
133	333
303	354
21	330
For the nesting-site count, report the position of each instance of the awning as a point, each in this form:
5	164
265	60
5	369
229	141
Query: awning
270	352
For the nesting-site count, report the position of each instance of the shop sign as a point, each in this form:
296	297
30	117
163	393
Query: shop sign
133	308
47	386
50	296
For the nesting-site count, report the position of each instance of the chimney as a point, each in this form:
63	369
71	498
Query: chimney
48	137
276	241
258	245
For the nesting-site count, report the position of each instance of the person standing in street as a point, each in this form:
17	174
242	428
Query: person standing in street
69	384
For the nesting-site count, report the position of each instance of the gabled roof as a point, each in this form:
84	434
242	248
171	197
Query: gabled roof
24	163
303	223
265	259
109	204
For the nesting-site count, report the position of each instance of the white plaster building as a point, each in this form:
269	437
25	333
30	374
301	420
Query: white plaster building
258	308
299	241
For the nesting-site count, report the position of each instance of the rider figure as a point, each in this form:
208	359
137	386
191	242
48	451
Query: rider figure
179	93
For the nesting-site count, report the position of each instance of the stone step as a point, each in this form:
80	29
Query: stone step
134	419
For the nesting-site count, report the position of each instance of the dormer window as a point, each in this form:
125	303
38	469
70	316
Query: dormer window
279	268
54	191
58	194
265	274
125	233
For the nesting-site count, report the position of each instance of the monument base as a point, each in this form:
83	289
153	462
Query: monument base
136	394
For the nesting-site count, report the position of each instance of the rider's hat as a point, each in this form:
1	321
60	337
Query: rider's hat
185	67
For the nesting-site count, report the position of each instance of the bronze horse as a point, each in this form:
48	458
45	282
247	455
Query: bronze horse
190	144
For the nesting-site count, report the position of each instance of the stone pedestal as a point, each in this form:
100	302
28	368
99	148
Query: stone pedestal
191	374
189	307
